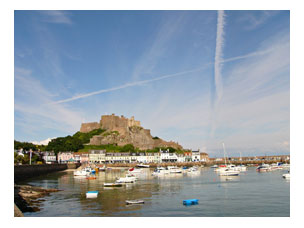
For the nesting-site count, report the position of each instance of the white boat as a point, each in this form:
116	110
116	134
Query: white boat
143	166
219	168
92	194
112	184
286	166
174	169
214	166
133	170
193	171
80	173
263	168
230	169
126	180
276	166
286	176
135	202
241	168
160	171
229	172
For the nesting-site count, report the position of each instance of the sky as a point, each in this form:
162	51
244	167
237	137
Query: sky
199	78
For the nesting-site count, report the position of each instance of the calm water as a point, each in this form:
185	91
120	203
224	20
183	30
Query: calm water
250	194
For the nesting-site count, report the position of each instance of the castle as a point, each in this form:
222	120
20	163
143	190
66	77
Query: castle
121	131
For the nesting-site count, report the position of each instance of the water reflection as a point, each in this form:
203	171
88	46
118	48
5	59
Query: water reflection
163	195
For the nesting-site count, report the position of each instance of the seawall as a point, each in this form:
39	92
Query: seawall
23	172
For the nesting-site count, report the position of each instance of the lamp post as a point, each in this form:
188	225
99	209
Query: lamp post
31	156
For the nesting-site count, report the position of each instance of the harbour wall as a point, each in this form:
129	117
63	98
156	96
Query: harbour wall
23	172
181	164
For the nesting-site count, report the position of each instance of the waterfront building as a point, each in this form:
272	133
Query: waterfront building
49	157
181	158
133	158
81	157
64	157
195	155
188	156
120	157
204	157
125	157
109	157
150	157
157	158
167	156
141	158
97	156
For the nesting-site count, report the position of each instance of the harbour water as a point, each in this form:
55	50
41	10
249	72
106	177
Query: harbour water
251	194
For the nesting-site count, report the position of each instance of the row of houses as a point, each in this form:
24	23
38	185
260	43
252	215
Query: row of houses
101	157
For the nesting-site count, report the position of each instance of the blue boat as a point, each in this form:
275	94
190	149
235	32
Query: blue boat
190	201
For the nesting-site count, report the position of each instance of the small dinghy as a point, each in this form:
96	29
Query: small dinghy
112	184
135	202
190	201
91	178
92	194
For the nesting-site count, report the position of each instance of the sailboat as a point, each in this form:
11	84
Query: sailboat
229	170
241	167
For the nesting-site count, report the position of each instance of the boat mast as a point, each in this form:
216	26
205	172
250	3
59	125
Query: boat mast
224	154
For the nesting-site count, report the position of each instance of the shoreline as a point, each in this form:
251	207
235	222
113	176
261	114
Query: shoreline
27	198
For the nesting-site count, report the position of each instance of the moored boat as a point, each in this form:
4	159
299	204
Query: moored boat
112	185
174	169
286	176
229	172
263	168
126	180
92	194
135	202
91	177
133	170
160	171
80	173
143	166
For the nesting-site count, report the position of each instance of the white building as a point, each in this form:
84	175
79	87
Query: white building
97	156
142	158
166	156
49	157
196	156
181	158
133	158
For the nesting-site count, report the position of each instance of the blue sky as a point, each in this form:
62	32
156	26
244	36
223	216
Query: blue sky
196	77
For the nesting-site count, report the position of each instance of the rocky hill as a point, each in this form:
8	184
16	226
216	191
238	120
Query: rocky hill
122	131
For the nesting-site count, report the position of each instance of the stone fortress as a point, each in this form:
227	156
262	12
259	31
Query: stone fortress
121	131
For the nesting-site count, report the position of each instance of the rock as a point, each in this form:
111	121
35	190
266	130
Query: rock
122	131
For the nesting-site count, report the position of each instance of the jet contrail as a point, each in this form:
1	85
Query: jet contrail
130	85
218	67
218	55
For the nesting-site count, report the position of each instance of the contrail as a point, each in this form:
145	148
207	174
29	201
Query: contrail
218	55
130	85
218	67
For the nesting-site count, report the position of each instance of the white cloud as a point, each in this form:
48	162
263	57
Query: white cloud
254	19
42	142
254	112
56	16
34	104
168	29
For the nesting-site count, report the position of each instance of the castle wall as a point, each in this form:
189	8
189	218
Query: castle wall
87	127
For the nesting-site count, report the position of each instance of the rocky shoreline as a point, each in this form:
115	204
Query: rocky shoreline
27	198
